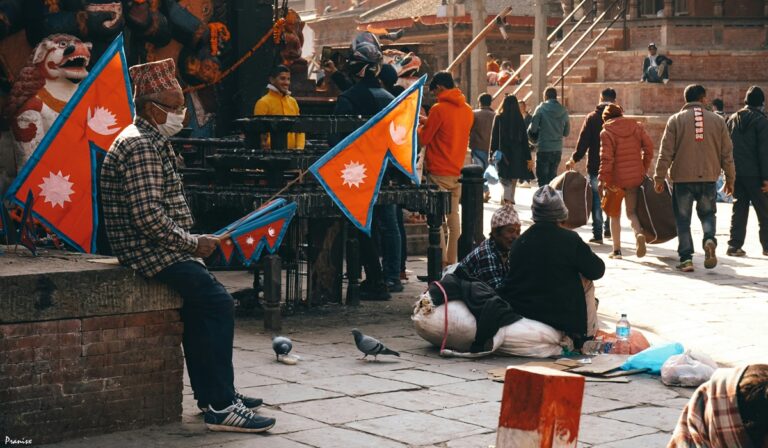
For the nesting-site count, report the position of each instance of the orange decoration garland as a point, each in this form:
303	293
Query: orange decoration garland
219	36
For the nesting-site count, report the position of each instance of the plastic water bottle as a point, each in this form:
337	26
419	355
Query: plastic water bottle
623	328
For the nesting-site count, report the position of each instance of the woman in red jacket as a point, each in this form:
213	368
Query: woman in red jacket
626	152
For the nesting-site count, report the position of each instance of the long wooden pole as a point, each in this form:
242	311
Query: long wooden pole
480	36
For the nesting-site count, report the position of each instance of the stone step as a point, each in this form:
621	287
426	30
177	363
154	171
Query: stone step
701	65
650	99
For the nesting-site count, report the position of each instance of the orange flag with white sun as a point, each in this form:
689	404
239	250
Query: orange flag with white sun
62	173
351	172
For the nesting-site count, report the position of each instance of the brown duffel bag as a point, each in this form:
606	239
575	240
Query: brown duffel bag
577	195
654	210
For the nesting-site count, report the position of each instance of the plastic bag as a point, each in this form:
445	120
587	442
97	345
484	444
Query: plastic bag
653	358
637	341
532	338
689	369
491	175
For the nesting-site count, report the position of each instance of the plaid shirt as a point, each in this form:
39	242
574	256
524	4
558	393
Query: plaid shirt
711	418
145	212
485	263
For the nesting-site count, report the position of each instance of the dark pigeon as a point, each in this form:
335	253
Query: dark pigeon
281	345
371	346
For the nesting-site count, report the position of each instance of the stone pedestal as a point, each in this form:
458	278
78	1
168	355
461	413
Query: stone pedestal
85	348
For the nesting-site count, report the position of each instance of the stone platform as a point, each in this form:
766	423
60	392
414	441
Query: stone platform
86	347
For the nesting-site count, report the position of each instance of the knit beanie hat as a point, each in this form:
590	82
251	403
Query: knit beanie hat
612	111
504	216
548	205
154	77
755	97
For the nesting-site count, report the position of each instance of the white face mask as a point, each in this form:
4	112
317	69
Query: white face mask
174	123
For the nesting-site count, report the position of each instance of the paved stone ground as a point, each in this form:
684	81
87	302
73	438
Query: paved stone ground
332	399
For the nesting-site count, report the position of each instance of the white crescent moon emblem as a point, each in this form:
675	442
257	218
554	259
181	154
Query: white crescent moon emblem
397	133
271	232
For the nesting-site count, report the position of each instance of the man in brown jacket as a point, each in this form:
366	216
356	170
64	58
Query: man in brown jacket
695	147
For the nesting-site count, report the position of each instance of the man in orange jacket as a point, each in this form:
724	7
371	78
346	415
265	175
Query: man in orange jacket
446	135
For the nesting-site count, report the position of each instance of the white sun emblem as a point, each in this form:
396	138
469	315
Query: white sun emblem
271	232
250	241
353	174
56	189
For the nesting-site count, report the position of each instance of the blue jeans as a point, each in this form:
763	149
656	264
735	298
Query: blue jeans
481	158
683	195
597	210
546	166
208	313
385	218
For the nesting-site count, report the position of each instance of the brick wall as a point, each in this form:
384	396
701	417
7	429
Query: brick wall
699	33
75	377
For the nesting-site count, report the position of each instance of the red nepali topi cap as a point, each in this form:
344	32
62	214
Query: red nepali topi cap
154	77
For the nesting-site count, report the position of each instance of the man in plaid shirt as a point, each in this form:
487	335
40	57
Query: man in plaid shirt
489	261
147	221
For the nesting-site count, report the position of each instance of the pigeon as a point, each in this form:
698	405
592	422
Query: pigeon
371	346
281	345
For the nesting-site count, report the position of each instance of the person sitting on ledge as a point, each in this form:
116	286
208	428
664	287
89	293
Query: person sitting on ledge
655	66
550	271
489	261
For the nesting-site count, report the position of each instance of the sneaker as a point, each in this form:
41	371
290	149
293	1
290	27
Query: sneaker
237	418
394	286
640	241
616	255
735	252
710	259
665	81
248	402
596	240
685	266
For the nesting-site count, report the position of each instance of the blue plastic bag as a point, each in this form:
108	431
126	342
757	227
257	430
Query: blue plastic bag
491	175
653	358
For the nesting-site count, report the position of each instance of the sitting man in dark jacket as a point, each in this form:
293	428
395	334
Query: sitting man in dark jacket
550	269
655	66
489	261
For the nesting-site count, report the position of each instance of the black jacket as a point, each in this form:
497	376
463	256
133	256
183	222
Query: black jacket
490	311
513	144
544	284
589	140
749	134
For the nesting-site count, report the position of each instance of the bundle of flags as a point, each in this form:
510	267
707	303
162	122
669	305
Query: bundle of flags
61	176
263	228
351	172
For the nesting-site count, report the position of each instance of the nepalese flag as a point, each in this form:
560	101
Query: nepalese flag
262	230
63	171
227	246
352	171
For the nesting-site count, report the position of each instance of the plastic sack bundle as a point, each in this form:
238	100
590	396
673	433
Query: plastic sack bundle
689	369
532	338
653	358
525	337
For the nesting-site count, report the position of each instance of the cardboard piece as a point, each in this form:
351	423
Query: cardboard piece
602	364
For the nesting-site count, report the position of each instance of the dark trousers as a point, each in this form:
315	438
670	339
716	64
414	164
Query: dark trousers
386	231
546	166
683	196
747	191
403	238
208	313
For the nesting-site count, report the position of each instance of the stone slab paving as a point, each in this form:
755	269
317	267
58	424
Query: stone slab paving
422	400
417	429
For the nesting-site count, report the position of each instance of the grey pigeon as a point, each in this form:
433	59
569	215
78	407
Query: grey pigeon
281	345
371	346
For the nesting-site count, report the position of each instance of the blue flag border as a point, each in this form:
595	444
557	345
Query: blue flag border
114	48
388	157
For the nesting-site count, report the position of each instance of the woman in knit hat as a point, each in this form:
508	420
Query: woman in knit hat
626	152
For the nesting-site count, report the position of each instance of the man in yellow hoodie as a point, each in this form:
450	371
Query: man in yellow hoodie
278	101
446	136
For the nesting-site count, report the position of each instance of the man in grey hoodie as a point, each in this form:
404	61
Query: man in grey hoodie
548	128
749	134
